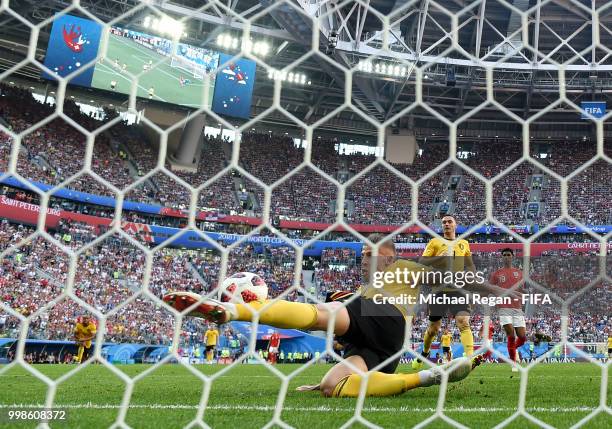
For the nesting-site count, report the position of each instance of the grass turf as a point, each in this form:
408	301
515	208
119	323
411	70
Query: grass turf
246	395
163	78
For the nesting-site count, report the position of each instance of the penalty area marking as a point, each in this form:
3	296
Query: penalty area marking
320	409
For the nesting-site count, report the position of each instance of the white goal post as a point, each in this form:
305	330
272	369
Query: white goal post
194	70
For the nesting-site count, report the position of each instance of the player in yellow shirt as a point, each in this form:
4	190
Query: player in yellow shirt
371	329
446	341
211	336
454	255
610	346
84	332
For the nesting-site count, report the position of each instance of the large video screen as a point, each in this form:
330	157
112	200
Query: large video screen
179	80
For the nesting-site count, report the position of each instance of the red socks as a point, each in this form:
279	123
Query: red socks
512	344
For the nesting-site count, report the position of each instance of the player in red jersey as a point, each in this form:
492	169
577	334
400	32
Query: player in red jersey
273	347
511	316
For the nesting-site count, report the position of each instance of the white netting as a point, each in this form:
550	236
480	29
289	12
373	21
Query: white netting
436	42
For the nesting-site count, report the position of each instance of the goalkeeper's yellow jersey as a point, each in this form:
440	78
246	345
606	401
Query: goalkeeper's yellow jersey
610	342
401	287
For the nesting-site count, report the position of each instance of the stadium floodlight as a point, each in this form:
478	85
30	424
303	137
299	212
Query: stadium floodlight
382	68
260	48
164	25
226	41
291	77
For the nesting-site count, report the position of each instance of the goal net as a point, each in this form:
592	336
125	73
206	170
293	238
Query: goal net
193	69
497	114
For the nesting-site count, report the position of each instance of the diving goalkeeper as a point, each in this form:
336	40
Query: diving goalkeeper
372	332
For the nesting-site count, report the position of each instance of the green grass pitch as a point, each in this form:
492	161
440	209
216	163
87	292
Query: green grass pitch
245	397
163	78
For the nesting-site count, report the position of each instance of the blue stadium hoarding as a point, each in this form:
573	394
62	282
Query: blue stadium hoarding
593	109
234	87
73	43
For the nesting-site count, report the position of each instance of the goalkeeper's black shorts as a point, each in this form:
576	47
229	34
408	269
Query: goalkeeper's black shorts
376	333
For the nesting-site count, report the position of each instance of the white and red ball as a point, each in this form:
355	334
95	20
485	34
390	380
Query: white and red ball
243	287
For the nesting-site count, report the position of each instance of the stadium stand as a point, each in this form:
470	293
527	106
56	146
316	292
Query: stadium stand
378	197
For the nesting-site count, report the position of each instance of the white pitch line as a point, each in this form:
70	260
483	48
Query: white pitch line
322	408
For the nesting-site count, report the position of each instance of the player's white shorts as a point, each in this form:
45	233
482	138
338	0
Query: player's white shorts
273	350
511	316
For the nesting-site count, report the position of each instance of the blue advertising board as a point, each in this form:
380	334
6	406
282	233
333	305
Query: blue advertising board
234	87
73	43
596	109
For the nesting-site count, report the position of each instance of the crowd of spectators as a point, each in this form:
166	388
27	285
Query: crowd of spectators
589	195
109	277
58	148
490	159
55	151
334	279
380	198
112	272
165	190
338	256
507	208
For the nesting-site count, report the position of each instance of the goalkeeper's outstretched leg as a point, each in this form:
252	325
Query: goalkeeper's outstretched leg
280	313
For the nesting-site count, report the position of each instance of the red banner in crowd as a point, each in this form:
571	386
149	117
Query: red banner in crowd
26	212
138	229
316	226
167	211
296	224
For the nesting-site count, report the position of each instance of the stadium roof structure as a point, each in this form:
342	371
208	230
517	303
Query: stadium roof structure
521	42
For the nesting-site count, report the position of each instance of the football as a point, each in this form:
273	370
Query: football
243	287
